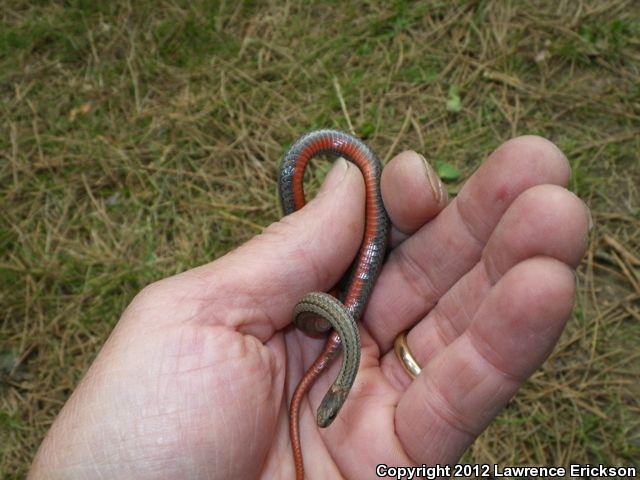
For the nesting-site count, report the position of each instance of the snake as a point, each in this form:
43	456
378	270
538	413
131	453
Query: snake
338	313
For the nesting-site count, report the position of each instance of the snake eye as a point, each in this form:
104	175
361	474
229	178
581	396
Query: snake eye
332	417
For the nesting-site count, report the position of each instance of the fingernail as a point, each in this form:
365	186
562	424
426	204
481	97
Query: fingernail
434	181
335	175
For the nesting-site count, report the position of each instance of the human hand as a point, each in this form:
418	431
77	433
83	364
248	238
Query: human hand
195	379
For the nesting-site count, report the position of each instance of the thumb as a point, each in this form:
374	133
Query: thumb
258	284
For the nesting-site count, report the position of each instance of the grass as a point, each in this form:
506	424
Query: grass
137	141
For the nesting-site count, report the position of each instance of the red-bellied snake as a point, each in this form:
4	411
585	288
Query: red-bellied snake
320	312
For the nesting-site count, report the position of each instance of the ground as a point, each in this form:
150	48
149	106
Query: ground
139	140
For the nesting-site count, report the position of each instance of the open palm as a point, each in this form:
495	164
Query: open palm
195	380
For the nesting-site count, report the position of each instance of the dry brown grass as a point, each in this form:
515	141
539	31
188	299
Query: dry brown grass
139	141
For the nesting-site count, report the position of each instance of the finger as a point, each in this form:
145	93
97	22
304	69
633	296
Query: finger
412	194
254	287
545	220
425	266
463	388
305	251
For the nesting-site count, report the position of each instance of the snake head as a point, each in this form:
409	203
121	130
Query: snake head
331	405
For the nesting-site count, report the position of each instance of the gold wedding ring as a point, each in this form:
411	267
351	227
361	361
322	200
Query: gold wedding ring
404	355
